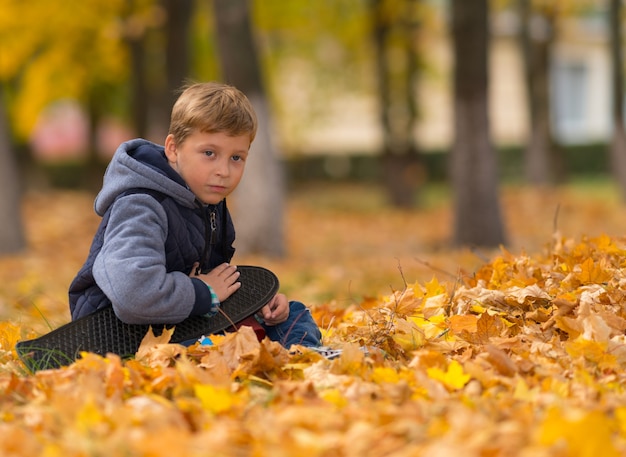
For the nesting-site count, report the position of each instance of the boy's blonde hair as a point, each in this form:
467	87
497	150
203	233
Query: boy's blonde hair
212	107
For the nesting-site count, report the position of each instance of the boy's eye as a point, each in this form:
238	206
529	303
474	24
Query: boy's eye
209	153
237	158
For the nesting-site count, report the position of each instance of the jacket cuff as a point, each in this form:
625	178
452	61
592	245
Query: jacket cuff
202	305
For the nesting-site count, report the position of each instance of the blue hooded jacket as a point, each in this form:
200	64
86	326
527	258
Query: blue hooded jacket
153	231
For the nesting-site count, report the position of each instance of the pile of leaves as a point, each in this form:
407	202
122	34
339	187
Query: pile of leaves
525	356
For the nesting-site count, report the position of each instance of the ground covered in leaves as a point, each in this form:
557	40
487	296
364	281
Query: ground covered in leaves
516	352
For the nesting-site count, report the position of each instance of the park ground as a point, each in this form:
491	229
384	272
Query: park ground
344	243
513	351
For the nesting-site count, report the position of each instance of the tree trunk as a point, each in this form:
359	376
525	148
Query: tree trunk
542	159
140	100
177	45
400	161
474	168
259	204
618	141
12	237
94	166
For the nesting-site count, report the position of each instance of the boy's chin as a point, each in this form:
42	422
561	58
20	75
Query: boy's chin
214	200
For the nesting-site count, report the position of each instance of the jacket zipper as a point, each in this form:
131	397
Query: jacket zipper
210	229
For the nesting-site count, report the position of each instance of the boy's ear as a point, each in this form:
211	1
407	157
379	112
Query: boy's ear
170	148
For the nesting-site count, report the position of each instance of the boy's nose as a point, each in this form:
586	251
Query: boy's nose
222	168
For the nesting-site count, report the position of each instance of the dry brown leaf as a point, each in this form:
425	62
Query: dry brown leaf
500	360
156	351
236	344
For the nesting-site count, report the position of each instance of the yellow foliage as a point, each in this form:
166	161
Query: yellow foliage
593	351
433	288
385	374
90	417
334	396
215	399
593	273
579	433
525	355
408	335
454	377
10	334
45	44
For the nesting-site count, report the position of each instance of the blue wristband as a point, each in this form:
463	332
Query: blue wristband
215	303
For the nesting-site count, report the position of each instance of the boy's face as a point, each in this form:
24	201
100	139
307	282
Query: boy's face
210	163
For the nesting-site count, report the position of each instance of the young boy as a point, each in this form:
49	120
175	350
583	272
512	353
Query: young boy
164	248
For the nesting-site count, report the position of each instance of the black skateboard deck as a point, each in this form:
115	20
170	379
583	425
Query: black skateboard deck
102	332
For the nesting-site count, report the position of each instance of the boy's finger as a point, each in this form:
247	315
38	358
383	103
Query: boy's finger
266	311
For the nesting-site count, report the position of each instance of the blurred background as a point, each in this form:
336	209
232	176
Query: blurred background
395	135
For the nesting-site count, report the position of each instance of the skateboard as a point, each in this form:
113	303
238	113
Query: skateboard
102	332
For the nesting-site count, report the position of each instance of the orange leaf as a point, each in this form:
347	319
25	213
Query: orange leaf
463	323
155	350
236	344
592	273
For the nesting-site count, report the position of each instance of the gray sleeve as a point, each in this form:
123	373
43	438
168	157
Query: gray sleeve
130	268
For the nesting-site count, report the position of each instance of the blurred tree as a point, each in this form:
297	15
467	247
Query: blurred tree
12	237
158	36
313	51
618	140
147	38
473	165
544	163
70	50
45	54
395	32
260	204
178	45
139	100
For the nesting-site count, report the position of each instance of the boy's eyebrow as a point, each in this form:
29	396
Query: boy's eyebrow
215	146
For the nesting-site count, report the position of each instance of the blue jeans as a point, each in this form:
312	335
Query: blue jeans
299	328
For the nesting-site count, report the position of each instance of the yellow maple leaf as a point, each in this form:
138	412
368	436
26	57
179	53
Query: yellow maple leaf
479	309
593	273
587	434
524	392
89	417
334	396
408	335
431	327
9	335
385	374
500	272
433	288
592	351
606	244
454	377
216	399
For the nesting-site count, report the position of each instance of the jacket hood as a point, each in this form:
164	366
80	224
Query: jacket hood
141	164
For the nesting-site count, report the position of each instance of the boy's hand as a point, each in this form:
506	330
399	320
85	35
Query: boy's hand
276	311
222	279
